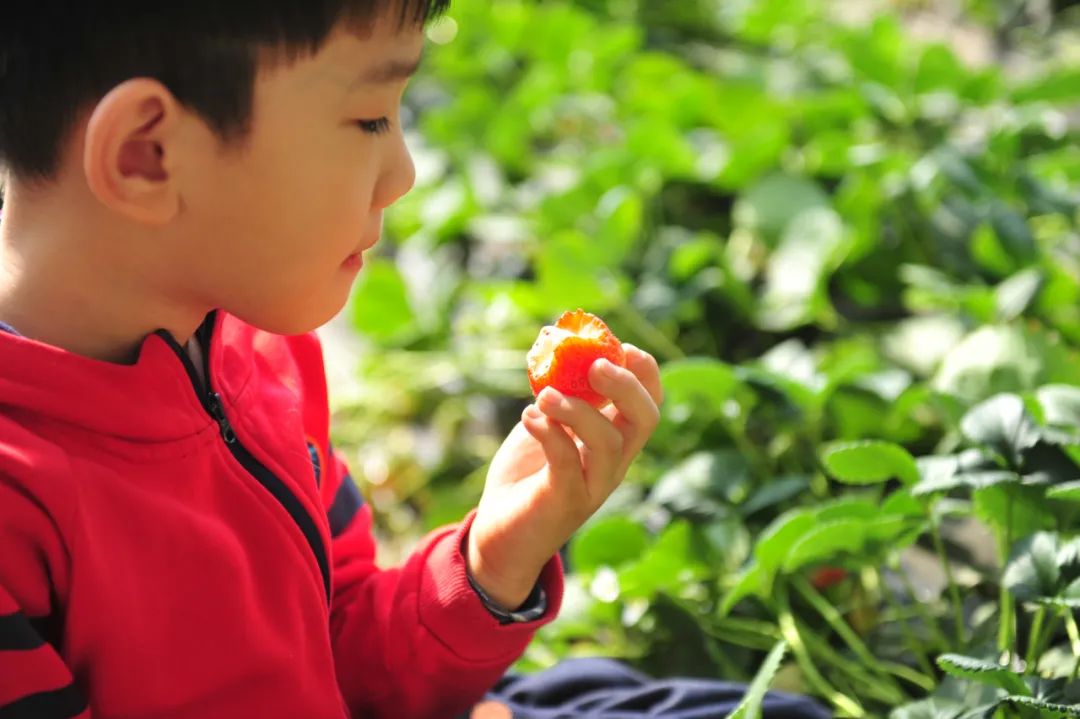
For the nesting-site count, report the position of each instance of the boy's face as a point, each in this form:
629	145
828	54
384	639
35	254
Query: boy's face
276	224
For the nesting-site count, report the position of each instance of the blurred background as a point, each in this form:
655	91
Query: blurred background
830	220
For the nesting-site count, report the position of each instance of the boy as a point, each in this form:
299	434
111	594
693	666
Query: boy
190	188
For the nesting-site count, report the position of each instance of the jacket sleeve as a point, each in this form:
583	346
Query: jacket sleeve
34	681
416	641
413	641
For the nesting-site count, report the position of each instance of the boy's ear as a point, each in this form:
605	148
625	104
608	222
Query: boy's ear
129	151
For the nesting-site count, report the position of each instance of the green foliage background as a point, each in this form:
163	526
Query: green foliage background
848	247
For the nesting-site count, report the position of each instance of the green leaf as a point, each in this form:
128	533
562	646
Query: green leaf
891	533
1061	408
1060	86
869	462
571	272
937	471
621	213
802	397
902	503
669	565
778	538
750	706
1032	570
997	359
973	480
1024	506
987	250
751	580
763	19
811	247
776	200
920	343
1043	566
380	304
939	69
1048	464
704	483
846	508
1012	229
954	699
1016	294
610	541
941	709
696	385
1003	424
825	541
1067	710
1065	492
983	671
1071	602
774	492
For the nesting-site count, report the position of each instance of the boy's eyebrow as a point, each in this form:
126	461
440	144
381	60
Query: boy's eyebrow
390	71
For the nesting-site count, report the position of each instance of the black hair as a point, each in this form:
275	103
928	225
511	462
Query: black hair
58	57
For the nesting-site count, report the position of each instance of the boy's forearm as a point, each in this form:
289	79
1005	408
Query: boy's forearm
417	641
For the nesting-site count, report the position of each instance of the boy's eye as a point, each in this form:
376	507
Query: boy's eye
374	127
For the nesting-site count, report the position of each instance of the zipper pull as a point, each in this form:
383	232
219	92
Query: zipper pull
217	411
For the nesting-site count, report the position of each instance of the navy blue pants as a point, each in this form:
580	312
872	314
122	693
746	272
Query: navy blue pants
607	689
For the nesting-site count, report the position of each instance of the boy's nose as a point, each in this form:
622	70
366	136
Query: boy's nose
398	178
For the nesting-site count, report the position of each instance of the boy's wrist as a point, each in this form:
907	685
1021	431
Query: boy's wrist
530	610
509	592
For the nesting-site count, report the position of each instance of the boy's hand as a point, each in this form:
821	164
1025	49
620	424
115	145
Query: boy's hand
559	464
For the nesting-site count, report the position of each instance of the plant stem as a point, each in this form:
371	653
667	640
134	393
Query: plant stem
648	332
790	631
882	667
722	660
730	632
840	626
871	685
1007	618
954	589
928	619
1034	635
926	682
1074	640
1049	630
910	640
759	460
1005	625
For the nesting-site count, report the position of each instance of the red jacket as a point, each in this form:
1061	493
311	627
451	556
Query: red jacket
170	552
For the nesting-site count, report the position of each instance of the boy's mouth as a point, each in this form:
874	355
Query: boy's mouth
353	262
356	260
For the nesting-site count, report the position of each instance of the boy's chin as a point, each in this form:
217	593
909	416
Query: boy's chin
291	322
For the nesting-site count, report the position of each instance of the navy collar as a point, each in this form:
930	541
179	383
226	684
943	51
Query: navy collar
9	329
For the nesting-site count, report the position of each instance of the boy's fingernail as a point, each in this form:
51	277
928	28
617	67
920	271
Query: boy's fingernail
606	367
532	412
550	395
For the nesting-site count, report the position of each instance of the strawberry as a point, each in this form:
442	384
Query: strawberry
824	577
563	353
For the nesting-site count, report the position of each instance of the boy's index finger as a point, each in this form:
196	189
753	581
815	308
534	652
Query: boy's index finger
646	369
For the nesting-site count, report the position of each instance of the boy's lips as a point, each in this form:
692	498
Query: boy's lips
356	260
353	262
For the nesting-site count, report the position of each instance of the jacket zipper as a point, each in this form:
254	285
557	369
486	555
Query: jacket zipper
215	407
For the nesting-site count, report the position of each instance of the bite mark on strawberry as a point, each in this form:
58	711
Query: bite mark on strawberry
564	352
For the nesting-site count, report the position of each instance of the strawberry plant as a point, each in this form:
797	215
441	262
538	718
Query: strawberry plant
855	250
